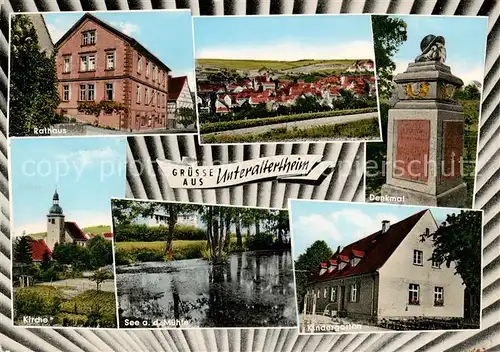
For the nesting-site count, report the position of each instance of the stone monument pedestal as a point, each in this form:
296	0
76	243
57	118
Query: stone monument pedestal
425	139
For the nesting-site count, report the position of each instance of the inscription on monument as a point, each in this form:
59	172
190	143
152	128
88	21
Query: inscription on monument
453	144
412	150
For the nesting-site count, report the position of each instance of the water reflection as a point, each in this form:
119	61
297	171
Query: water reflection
251	289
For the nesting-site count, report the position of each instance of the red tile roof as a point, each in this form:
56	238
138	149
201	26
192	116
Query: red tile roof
359	254
108	235
38	248
323	265
74	231
175	85
378	247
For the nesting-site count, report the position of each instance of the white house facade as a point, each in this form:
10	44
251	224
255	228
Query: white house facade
389	275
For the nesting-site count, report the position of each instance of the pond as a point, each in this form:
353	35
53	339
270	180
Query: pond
253	289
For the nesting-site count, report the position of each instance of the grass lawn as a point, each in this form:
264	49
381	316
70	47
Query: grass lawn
130	252
271	64
353	130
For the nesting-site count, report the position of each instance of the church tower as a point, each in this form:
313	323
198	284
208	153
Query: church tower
55	223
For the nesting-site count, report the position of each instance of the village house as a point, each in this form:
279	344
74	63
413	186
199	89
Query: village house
264	89
161	219
96	62
389	275
179	96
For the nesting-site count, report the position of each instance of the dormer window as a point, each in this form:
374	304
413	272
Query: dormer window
323	268
88	37
322	271
355	261
356	257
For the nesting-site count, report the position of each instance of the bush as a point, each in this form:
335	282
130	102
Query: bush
90	303
264	240
232	125
37	301
134	232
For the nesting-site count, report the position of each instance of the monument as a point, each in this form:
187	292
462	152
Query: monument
425	133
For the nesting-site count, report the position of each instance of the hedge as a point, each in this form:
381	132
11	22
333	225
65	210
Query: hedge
233	125
128	233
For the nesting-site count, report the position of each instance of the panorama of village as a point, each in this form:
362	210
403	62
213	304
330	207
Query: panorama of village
266	101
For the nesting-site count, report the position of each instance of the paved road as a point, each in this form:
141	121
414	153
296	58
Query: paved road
334	120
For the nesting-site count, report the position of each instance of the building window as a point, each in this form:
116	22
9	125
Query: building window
333	294
418	257
354	293
67	64
139	64
414	294
87	63
110	61
138	95
438	296
155	73
158	99
109	91
436	264
146	96
66	92
153	93
87	92
88	38
325	292
317	294
90	92
148	68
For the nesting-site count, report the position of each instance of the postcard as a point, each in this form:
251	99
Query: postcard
430	85
62	262
379	267
285	78
187	265
101	73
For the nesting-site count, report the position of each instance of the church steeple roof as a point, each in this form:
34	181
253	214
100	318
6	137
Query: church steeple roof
55	209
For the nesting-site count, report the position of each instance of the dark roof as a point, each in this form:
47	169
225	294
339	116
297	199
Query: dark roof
55	209
175	85
74	231
38	248
115	31
378	247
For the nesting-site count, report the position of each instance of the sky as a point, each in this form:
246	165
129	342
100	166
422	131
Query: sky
167	34
285	38
465	43
86	172
341	223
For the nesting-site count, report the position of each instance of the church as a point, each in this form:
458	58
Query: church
58	231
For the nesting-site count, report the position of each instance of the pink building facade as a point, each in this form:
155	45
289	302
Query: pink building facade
97	62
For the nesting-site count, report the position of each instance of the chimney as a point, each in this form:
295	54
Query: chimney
385	225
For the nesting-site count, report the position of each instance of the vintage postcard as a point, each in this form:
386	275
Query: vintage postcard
285	78
430	86
177	168
378	267
101	73
187	265
62	261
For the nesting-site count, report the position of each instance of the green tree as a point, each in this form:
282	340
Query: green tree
22	250
45	260
307	264
71	254
388	35
187	116
96	108
100	252
99	276
125	211
33	81
458	241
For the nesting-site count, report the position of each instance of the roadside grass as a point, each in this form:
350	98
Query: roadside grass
270	64
212	127
354	130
